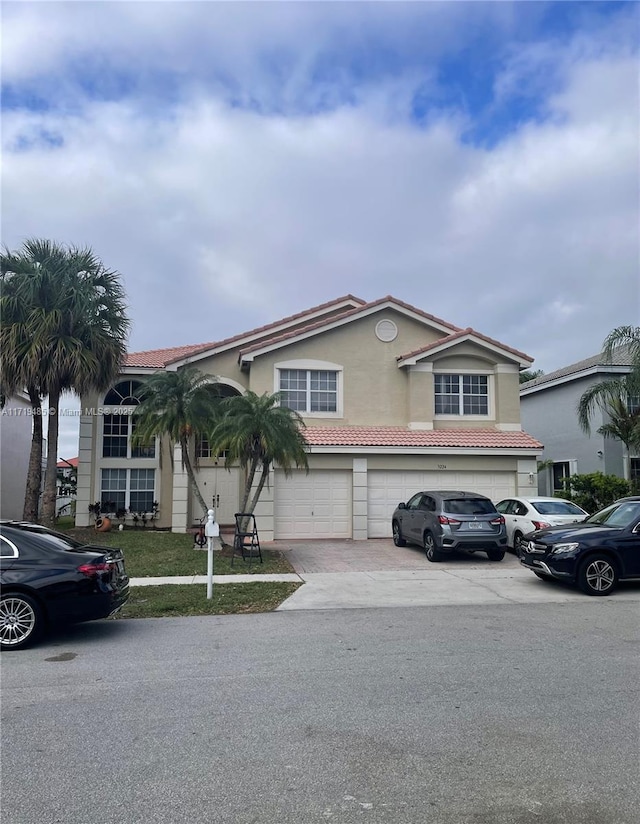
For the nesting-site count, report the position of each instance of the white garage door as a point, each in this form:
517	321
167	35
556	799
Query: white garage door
317	505
387	488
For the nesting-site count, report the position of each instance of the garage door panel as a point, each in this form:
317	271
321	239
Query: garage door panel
314	505
386	489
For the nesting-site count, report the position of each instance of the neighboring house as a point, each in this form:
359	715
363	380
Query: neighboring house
16	426
67	471
549	407
395	400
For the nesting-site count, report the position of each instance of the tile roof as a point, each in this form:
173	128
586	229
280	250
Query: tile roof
461	333
157	358
399	436
351	312
621	357
67	464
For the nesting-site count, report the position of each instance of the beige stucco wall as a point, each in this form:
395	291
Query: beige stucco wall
224	365
375	390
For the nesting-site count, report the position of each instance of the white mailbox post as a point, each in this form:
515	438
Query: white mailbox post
211	531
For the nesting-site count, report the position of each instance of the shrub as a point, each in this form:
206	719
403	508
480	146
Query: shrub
595	490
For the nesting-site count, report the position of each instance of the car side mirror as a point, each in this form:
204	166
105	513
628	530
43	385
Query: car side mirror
402	506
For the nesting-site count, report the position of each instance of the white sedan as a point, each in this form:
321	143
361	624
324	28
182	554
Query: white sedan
523	515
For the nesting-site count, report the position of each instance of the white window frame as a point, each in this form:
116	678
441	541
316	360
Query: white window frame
460	374
127	490
307	365
123	412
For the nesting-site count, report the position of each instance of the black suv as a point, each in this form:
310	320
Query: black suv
443	522
595	554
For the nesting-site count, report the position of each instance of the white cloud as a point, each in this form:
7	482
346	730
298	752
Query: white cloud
222	219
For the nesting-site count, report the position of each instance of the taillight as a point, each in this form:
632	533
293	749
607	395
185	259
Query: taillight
498	521
444	520
92	569
540	524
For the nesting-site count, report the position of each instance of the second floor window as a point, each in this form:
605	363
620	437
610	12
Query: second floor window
116	439
309	390
461	394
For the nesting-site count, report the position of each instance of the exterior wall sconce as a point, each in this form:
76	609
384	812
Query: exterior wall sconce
599	453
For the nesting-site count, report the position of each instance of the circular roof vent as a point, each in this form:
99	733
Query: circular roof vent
386	331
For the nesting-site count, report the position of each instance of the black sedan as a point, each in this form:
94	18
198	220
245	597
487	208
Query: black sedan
595	554
48	578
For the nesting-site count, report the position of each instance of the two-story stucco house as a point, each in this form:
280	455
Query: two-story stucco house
395	400
549	407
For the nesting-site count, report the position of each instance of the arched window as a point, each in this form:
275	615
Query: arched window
125	393
117	429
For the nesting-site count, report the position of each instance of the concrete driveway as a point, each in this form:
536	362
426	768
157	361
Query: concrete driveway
375	573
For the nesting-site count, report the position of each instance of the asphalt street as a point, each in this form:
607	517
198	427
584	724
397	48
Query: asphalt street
474	714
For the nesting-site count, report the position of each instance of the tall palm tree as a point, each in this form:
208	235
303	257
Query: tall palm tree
615	389
180	405
67	331
256	432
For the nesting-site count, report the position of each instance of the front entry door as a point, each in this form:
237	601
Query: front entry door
220	489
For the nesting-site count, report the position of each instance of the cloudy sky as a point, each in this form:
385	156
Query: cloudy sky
238	162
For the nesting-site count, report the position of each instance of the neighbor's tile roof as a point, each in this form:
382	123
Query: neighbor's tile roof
399	436
67	464
461	333
620	357
157	358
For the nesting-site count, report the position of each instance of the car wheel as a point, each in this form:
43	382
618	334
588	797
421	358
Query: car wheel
21	620
495	554
517	543
598	575
398	540
430	549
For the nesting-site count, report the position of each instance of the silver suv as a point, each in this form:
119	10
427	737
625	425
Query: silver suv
443	522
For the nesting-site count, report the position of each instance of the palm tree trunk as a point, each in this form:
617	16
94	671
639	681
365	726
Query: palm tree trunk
51	472
249	483
260	487
34	475
186	460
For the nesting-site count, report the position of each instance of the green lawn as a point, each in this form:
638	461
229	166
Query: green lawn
153	554
171	600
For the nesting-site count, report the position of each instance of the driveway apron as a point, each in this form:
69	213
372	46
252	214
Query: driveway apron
375	573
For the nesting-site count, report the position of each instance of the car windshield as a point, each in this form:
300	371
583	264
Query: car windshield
468	506
620	514
557	508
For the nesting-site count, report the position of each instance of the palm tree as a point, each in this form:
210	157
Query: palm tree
618	397
624	426
530	374
256	432
179	405
67	331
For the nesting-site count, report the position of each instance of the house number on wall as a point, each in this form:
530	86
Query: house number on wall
442	466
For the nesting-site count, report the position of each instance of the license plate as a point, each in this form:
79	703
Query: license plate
476	525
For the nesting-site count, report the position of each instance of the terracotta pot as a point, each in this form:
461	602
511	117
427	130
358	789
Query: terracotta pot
103	524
